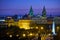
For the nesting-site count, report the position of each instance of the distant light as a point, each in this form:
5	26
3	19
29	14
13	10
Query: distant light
17	35
2	20
42	28
25	24
24	35
9	17
36	35
7	33
49	34
10	36
30	34
36	27
57	28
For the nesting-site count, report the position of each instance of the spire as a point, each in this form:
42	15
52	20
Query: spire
31	12
44	12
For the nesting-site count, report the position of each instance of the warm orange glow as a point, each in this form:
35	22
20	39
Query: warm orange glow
57	28
42	28
31	27
36	27
17	35
24	24
10	35
7	33
30	34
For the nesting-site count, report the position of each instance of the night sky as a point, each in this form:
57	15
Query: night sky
21	7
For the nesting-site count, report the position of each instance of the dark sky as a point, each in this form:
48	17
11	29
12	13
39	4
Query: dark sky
11	7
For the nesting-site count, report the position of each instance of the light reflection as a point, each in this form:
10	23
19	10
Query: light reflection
42	28
57	28
36	27
17	35
30	34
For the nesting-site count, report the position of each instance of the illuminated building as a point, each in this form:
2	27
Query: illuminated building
24	24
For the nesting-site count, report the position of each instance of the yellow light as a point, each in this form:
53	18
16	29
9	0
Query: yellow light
24	35
36	35
49	34
30	34
7	33
10	36
31	27
17	35
24	24
36	27
42	28
9	17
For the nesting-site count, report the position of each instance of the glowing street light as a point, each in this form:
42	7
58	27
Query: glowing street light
37	27
24	35
10	36
42	28
30	34
24	24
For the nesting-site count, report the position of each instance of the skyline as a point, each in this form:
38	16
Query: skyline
11	7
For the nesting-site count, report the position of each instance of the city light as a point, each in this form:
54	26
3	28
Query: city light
9	17
30	20
57	28
10	36
36	27
31	27
2	20
24	24
42	28
7	33
17	35
49	34
24	35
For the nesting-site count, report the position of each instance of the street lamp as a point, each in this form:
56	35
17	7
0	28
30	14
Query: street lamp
42	28
10	36
24	35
